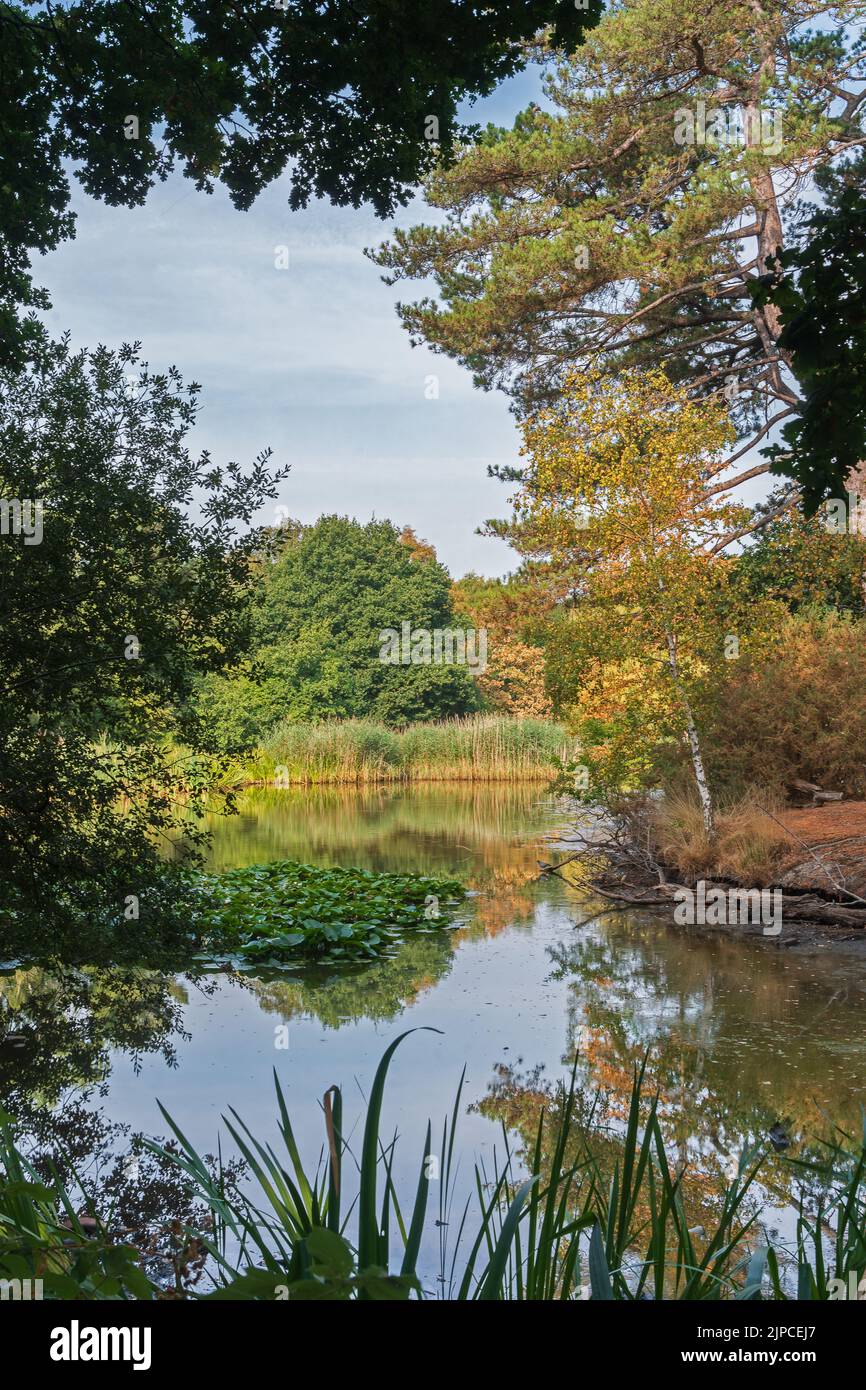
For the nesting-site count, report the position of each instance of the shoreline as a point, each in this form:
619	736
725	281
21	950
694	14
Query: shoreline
818	887
503	778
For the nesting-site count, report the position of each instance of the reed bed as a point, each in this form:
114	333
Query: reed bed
479	749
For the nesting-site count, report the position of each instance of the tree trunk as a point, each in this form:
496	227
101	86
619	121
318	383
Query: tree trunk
764	197
700	775
694	742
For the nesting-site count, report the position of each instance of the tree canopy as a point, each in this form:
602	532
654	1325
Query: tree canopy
352	97
818	288
802	563
623	475
628	225
115	604
321	611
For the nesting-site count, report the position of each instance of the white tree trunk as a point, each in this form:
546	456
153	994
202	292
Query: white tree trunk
694	743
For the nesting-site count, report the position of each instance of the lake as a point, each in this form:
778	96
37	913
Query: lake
742	1035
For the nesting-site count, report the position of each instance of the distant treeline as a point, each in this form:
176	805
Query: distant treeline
327	602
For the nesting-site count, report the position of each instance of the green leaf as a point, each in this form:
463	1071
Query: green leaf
330	1253
599	1274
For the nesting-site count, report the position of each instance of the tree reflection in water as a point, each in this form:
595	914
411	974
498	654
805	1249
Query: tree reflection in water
58	1029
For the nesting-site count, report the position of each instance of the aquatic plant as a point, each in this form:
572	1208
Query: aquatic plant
484	748
271	914
557	1230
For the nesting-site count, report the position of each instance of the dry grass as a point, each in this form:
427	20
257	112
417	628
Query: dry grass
748	847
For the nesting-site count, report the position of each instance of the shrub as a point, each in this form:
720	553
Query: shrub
795	710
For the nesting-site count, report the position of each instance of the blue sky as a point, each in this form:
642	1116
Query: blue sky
311	360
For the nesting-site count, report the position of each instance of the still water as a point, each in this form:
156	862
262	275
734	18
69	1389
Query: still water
742	1035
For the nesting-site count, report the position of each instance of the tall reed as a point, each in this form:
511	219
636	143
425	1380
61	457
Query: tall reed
554	1226
485	748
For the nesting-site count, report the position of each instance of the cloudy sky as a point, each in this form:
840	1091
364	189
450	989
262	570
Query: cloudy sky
311	360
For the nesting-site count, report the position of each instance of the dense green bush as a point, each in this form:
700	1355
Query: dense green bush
800	562
109	623
323	604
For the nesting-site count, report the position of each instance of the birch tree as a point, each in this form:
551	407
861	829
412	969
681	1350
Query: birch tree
621	473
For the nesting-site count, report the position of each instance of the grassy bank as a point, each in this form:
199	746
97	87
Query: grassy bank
749	845
484	749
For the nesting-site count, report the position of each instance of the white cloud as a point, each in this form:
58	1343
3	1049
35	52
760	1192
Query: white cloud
311	360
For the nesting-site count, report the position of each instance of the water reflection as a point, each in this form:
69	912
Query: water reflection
59	1031
741	1036
484	834
743	1045
434	829
776	1033
61	1026
377	992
